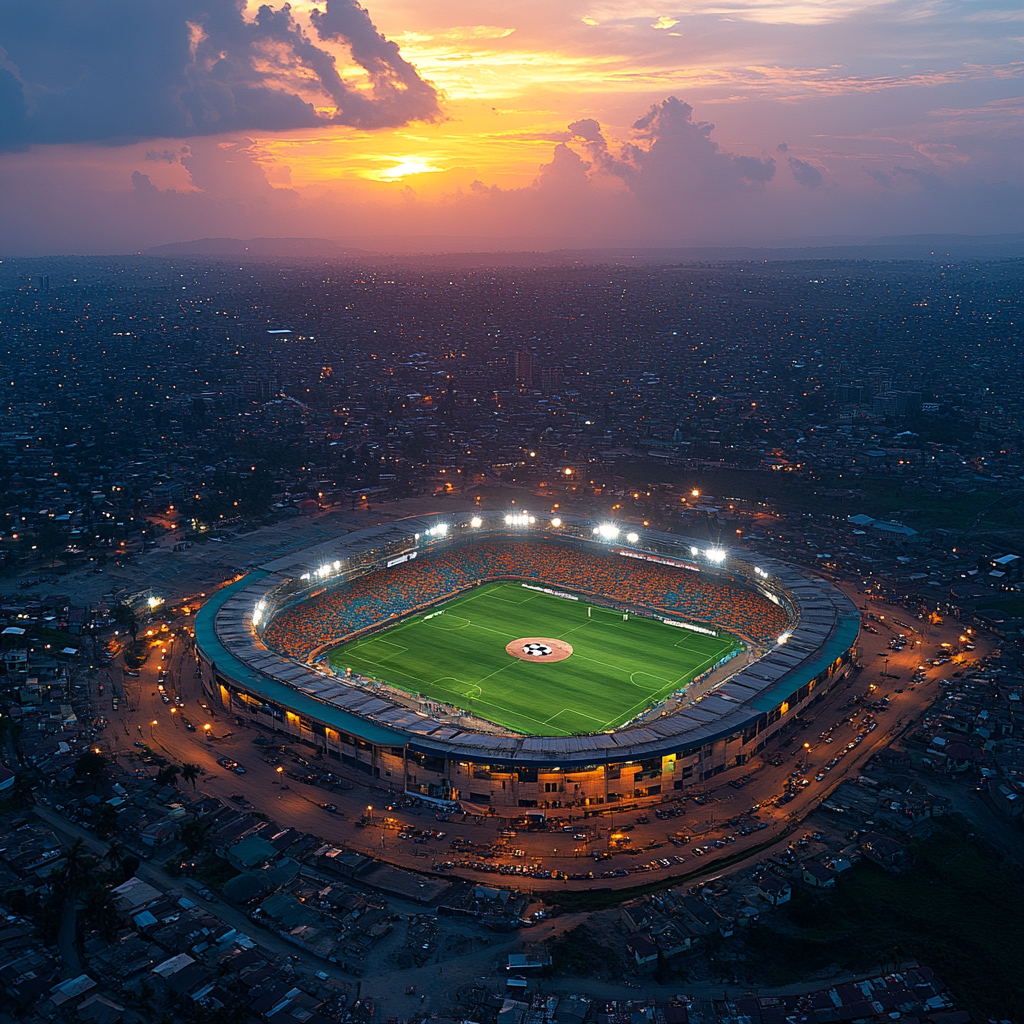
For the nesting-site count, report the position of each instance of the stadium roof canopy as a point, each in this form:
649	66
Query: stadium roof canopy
825	628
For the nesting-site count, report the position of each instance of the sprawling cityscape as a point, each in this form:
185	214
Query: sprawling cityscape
473	551
164	439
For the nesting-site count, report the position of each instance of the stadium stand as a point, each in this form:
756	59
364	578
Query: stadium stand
366	602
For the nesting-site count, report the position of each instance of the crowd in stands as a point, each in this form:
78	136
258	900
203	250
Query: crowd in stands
362	603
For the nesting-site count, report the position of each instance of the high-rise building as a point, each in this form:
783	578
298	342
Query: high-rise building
261	389
524	367
551	378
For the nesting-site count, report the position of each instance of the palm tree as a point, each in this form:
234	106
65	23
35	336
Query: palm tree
76	865
168	776
115	854
190	772
101	913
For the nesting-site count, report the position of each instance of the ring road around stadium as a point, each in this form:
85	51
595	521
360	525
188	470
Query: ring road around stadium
518	661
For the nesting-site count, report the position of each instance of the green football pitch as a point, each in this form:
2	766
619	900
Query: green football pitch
617	669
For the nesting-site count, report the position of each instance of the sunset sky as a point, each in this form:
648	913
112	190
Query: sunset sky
460	124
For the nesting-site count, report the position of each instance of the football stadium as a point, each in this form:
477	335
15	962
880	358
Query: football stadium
523	661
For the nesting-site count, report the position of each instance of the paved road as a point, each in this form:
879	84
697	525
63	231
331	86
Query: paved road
296	804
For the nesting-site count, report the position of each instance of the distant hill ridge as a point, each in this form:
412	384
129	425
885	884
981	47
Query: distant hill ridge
445	251
257	247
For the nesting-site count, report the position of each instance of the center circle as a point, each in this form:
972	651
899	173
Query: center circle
539	649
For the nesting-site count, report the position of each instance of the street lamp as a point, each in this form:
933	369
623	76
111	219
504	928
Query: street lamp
206	730
151	724
369	813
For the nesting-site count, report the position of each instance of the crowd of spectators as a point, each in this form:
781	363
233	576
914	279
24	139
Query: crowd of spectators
365	602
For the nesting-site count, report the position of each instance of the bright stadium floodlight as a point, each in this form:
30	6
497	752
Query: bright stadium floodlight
632	537
476	522
694	552
595	530
785	636
608	531
337	566
304	576
556	522
508	520
324	570
716	555
532	519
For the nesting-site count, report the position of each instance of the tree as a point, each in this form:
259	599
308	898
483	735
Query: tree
104	817
168	776
23	794
50	539
144	995
193	834
77	864
115	855
91	765
124	615
190	772
101	913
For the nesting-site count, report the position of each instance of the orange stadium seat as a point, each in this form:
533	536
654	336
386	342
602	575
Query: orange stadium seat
364	602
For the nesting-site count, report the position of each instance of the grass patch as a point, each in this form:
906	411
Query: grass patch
958	911
582	953
1012	606
618	668
880	497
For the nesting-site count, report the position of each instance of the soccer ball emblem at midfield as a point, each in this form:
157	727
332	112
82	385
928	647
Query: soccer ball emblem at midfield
536	650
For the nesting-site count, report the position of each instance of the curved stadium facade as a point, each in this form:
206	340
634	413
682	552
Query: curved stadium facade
262	644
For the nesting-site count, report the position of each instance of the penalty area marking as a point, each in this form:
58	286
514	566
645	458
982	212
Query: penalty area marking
539	649
450	622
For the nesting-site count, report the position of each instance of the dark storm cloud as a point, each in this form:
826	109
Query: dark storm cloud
805	174
95	71
397	87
